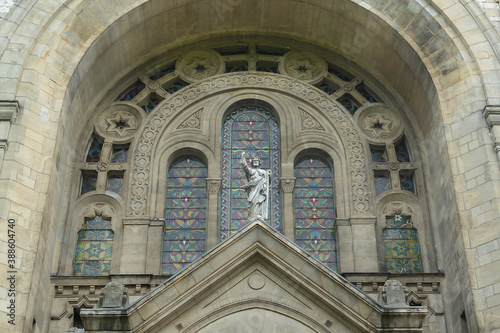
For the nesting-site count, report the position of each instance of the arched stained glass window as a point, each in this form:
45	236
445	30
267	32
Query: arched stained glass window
314	209
185	214
94	247
255	131
402	252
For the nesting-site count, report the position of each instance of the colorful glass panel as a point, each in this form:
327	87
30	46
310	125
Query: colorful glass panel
327	88
407	181
402	252
162	73
95	150
314	209
339	74
349	103
402	153
94	248
255	131
185	214
153	102
267	67
236	68
132	91
115	182
382	181
379	154
89	181
119	154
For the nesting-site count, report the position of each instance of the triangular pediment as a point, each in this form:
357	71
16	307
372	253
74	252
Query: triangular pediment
258	280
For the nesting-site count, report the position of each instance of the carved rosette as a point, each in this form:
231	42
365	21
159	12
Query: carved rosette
199	65
309	122
193	121
119	122
304	66
379	123
158	120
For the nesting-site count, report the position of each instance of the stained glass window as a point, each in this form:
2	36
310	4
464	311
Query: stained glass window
340	75
379	154
255	131
402	152
175	87
236	67
95	150
162	73
94	248
314	209
382	181
349	103
402	252
132	91
363	91
114	182
185	214
89	181
119	153
151	102
407	181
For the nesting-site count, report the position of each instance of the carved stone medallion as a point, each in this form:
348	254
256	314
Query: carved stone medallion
379	123
198	65
304	66
119	122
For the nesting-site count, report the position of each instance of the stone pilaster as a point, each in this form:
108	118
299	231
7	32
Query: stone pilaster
213	190
287	185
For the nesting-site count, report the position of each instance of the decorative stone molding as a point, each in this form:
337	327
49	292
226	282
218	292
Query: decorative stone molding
492	115
213	185
8	112
304	66
121	123
398	208
99	209
193	121
287	184
158	119
199	65
309	122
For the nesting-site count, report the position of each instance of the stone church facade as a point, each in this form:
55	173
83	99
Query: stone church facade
123	123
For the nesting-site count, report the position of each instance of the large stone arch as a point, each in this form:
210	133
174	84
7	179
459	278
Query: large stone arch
51	52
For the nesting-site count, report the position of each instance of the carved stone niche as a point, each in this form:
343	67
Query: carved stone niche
393	293
379	123
119	122
113	295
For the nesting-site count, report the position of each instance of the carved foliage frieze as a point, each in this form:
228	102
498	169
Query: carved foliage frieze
158	119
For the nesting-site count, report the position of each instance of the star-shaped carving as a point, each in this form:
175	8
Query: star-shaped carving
121	123
302	68
200	68
378	125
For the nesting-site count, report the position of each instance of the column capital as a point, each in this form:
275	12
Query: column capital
287	184
213	185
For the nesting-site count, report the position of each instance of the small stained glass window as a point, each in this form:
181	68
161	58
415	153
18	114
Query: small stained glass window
339	74
132	91
349	103
407	181
175	87
115	182
94	248
366	94
270	67
119	153
185	214
236	67
314	209
379	154
402	153
162	73
95	150
402	251
89	181
151	102
382	181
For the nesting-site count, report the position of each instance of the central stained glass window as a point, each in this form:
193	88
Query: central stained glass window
314	209
254	130
185	213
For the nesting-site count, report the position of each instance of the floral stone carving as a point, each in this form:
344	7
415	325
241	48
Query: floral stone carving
304	66
193	121
198	65
309	122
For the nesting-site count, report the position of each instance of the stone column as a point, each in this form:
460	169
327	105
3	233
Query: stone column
492	115
8	112
213	191
288	210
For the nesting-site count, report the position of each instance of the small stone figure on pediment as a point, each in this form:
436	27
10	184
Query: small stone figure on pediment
393	293
113	295
257	187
